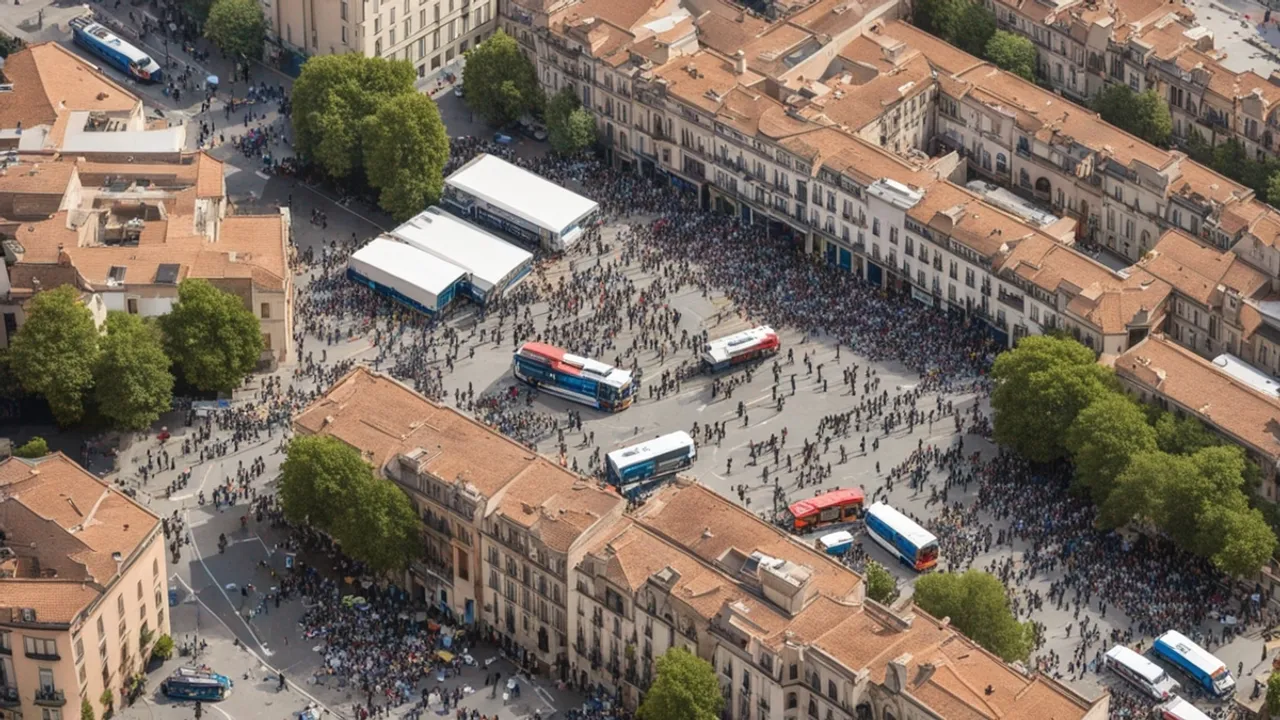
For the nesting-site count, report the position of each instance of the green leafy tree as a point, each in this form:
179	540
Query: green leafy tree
1143	114
570	128
212	338
1273	197
381	528
86	710
1041	385
1103	437
10	45
1138	492
163	648
684	688
132	382
978	606
1013	53
1215	481
1182	436
331	99
34	448
1245	542
237	27
500	81
937	17
55	350
974	28
405	151
882	586
1273	694
320	478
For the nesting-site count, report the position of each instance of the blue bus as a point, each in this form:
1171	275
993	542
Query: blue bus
188	683
574	377
1203	666
914	546
116	52
636	469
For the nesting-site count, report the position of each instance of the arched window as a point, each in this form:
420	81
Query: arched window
792	702
1002	163
1042	185
813	708
863	712
1023	178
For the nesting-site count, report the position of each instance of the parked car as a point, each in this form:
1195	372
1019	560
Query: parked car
457	91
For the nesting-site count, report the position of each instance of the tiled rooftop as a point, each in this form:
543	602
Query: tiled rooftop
68	529
1199	386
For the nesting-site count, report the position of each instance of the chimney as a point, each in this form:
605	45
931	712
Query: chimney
740	63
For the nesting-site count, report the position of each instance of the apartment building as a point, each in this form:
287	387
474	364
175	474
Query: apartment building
433	35
82	570
788	629
129	233
1232	403
1146	44
52	101
502	524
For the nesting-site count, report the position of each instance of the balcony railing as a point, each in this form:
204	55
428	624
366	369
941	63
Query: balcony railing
51	697
9	697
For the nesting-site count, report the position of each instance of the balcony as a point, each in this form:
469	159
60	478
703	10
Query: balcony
1013	301
51	657
9	697
50	697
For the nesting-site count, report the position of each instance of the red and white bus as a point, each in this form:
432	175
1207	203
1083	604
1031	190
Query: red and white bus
574	377
754	344
837	506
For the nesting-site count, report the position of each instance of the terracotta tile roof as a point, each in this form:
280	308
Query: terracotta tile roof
1196	270
257	241
1113	308
708	525
195	169
858	105
382	418
49	81
69	529
703	79
727	34
947	58
37	178
1218	399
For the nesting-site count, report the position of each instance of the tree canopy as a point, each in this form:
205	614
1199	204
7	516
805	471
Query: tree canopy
964	23
212	338
1143	114
570	128
10	45
882	586
34	448
237	27
326	483
978	606
685	688
1103	437
501	84
132	382
405	151
331	99
1014	53
54	352
1040	387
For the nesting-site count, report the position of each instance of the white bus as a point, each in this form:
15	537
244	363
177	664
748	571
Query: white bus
1179	709
1203	666
635	469
739	348
1147	676
914	546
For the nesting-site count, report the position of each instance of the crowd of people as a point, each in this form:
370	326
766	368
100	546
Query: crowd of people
613	297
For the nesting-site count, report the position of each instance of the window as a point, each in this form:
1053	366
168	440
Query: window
40	647
464	565
831	689
377	47
893	235
875	226
344	34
